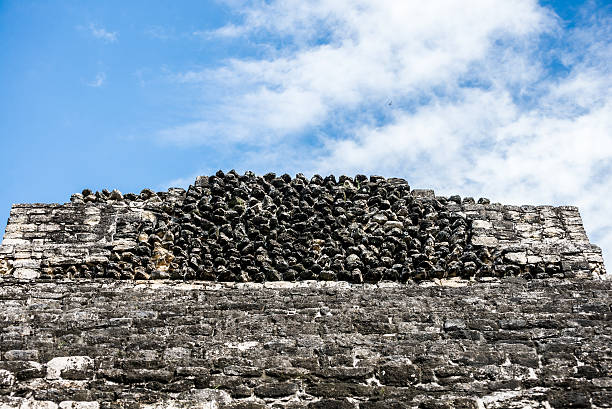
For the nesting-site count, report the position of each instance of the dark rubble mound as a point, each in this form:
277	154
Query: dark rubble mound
231	227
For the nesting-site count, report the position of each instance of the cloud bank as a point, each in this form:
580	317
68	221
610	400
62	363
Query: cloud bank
485	97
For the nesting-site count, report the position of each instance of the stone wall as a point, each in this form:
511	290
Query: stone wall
355	293
230	227
501	343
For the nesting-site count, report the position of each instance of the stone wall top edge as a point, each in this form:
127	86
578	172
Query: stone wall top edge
37	205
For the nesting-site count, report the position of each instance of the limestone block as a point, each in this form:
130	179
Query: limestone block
23	252
69	404
379	218
34	235
482	224
72	251
511	215
547	211
26	273
177	354
568	210
531	235
49	227
594	257
578	236
62	260
572	221
19	208
575	229
524	227
87	237
534	259
149	216
7	379
532	218
488	241
21	355
423	193
493	215
21	227
15	242
96	259
603	382
503	225
474	214
554	232
4	266
40	218
27	263
92	220
518	257
99	250
69	367
454	325
37	404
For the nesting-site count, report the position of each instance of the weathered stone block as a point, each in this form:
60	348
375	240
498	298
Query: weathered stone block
70	367
482	224
21	355
517	257
26	273
7	379
487	241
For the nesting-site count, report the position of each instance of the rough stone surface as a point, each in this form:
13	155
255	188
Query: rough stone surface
230	227
501	343
279	292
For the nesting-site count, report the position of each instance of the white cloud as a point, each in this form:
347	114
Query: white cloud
98	81
371	50
265	113
159	32
475	110
229	31
102	34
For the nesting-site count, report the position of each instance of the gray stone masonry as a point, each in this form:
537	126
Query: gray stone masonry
496	343
230	227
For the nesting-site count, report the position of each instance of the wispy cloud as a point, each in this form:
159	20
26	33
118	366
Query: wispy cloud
477	107
103	34
228	31
98	81
159	32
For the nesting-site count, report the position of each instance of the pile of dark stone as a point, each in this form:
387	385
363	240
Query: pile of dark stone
248	228
232	227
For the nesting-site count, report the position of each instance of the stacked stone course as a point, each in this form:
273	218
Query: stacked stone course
230	227
110	344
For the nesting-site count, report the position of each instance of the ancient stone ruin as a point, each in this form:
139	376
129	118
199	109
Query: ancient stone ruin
251	292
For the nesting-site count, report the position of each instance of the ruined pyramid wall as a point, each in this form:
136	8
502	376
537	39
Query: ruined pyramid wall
231	227
248	292
501	343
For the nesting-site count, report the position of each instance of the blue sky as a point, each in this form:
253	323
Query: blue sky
509	100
